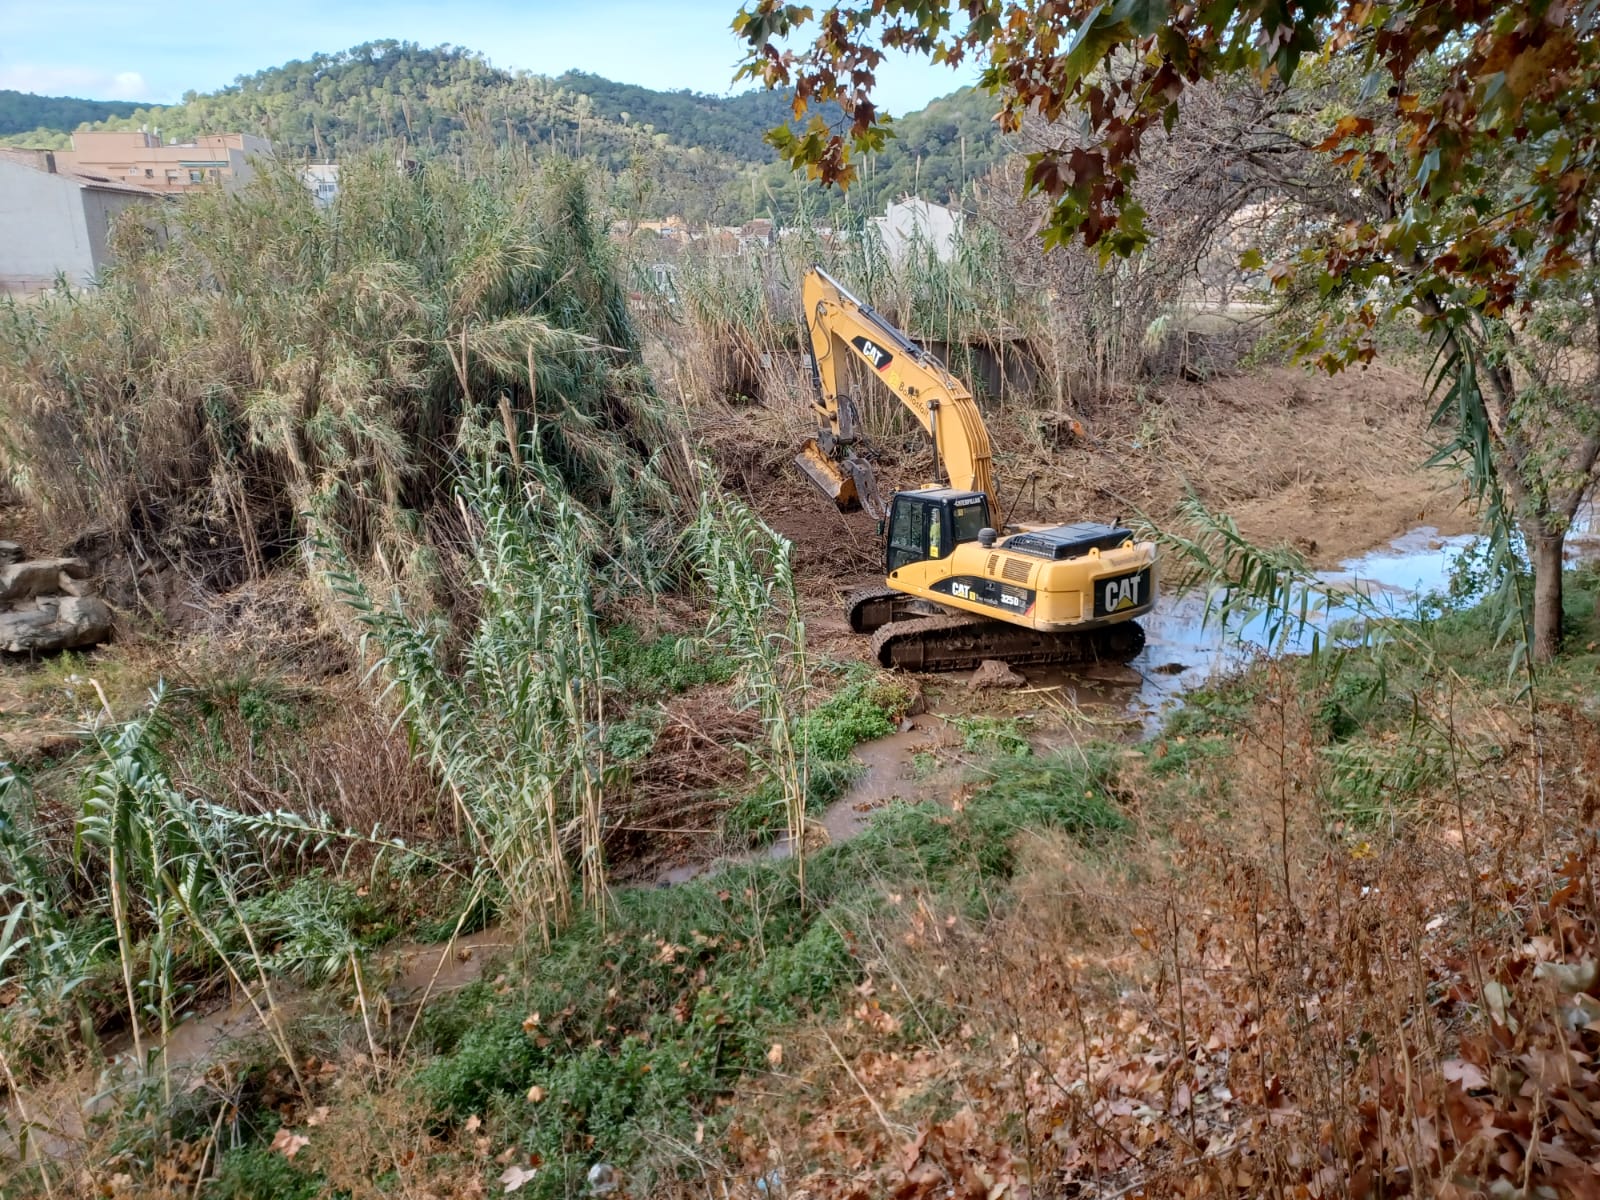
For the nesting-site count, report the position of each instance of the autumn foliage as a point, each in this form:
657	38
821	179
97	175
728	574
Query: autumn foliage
1269	1003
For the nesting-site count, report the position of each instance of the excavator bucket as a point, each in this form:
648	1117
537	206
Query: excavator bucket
834	479
849	483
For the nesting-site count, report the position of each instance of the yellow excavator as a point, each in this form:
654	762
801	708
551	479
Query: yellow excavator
961	586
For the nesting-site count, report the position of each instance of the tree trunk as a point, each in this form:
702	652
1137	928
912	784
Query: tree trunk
1547	564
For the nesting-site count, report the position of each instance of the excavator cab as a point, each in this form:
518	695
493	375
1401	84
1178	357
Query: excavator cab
930	524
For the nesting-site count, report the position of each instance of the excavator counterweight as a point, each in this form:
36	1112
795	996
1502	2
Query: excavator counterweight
961	586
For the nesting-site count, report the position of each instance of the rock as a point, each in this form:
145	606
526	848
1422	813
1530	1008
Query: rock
1171	668
992	672
38	577
22	629
10	553
60	623
26	747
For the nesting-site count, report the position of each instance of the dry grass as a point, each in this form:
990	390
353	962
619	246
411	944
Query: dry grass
1257	1000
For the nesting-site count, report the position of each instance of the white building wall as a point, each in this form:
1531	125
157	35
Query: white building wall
907	222
42	229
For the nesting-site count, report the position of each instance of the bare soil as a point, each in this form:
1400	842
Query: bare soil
1330	465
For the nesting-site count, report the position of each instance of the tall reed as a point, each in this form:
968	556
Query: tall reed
747	568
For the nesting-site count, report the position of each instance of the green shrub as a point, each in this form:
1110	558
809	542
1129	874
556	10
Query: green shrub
993	735
759	816
1070	791
257	1173
866	707
662	666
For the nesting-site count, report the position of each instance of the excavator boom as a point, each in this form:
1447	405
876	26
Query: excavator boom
840	328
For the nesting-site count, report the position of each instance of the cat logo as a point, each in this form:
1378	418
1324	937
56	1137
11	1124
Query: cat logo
872	352
962	591
1123	593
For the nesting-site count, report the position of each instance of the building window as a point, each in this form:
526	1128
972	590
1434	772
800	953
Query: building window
216	175
195	177
149	172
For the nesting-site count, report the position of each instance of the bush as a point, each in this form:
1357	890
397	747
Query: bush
257	1173
866	707
662	666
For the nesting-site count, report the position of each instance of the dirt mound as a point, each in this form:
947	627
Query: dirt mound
1330	465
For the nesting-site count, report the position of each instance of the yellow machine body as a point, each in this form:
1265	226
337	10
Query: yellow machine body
1063	594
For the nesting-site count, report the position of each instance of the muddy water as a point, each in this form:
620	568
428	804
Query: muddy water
1185	646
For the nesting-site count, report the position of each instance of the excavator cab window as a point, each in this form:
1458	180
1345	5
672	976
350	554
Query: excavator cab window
930	525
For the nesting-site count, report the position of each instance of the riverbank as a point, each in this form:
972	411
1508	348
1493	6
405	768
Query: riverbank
1034	952
1343	943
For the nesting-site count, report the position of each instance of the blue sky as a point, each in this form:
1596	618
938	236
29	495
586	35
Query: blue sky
110	49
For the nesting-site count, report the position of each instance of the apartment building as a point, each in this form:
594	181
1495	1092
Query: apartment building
171	167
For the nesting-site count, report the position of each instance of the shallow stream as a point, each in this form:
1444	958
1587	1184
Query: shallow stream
1185	648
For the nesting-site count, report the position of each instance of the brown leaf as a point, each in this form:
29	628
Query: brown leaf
912	1151
1459	1071
289	1143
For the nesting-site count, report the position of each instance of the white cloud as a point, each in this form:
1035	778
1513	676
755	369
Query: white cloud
85	82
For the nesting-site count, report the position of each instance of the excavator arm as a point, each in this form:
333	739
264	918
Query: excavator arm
842	327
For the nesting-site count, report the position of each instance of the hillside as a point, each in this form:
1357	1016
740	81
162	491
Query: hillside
703	157
23	112
733	125
935	153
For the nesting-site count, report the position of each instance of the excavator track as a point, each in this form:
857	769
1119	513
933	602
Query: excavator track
871	608
959	643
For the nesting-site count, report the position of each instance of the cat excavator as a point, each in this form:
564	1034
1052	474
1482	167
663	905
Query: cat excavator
961	586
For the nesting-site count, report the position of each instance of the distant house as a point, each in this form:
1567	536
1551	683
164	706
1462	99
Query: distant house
144	160
912	221
55	221
323	181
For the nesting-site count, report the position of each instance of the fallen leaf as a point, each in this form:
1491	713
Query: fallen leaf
319	1116
289	1143
1458	1070
472	1123
775	1055
530	1022
514	1177
535	1094
1569	978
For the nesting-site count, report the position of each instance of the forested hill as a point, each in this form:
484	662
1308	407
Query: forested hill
701	156
332	104
22	112
733	125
